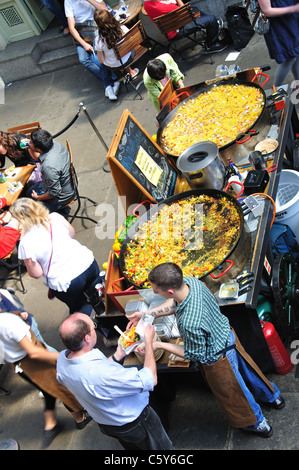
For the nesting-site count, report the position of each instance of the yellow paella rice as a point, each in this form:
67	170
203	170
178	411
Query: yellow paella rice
219	115
198	244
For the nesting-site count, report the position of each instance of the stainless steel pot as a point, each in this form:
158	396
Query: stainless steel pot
202	166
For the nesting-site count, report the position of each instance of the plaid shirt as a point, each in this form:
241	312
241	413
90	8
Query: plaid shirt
203	328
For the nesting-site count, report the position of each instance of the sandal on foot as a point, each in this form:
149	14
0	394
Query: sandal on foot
86	420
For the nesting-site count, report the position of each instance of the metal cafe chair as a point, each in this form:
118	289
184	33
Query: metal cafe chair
5	390
131	41
8	264
177	19
78	197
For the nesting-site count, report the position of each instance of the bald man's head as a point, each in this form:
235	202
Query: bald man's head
74	329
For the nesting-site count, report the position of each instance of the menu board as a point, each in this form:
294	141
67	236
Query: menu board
142	160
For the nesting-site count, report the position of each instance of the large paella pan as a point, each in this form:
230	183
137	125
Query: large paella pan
199	230
224	112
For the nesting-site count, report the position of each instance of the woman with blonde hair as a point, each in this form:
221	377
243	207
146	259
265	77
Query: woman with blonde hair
48	248
110	32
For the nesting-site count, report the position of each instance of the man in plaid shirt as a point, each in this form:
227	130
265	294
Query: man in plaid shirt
208	339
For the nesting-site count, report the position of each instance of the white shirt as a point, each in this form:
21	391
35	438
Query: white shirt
112	394
69	257
12	330
110	59
81	10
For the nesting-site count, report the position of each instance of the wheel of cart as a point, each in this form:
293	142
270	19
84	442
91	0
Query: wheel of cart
285	287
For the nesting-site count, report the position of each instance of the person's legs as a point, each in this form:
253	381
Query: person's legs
90	61
234	360
284	68
145	433
295	69
74	297
253	388
50	402
211	26
55	9
209	22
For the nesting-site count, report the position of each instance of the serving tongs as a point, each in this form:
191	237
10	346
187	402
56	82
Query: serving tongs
245	282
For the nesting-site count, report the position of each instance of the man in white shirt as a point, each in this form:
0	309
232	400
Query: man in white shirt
84	30
116	397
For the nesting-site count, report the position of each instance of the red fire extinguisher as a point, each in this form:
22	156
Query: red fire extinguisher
280	356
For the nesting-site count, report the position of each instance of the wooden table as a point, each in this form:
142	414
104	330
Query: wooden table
22	176
134	8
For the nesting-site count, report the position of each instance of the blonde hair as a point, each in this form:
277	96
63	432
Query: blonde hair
30	213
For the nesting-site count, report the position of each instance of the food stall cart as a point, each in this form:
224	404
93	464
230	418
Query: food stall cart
136	161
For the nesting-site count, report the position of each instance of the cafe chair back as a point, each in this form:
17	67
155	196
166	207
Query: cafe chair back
166	94
78	198
5	390
8	264
177	19
25	129
131	42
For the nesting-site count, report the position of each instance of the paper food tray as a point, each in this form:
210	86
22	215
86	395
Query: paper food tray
130	348
13	188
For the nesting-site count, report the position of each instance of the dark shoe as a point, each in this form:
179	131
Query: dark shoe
263	430
50	435
217	47
278	404
85	421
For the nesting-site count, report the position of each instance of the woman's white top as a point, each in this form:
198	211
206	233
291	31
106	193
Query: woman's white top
110	59
69	257
12	330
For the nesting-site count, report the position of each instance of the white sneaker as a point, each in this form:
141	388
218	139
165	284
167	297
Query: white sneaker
109	93
263	429
116	87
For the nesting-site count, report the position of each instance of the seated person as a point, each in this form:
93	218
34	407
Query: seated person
56	189
81	25
10	303
9	234
155	8
156	75
10	147
110	32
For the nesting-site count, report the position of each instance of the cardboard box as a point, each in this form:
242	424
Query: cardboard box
117	292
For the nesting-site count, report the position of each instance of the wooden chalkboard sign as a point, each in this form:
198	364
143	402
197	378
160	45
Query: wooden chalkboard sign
134	157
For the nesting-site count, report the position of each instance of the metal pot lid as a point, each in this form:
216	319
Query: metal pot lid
197	156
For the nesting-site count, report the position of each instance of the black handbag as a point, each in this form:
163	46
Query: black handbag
239	26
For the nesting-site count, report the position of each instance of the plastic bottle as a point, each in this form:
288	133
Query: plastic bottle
99	304
110	9
24	144
123	6
235	170
2	177
221	71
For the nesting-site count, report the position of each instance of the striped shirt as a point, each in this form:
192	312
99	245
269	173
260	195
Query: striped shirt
202	326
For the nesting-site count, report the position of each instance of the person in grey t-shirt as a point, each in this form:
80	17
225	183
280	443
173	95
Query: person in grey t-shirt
56	189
